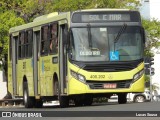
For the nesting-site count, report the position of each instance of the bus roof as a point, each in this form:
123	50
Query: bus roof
42	20
106	9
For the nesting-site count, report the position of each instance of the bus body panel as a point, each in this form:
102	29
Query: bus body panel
47	70
82	88
77	87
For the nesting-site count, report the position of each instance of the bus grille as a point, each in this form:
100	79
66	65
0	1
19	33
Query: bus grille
100	84
109	67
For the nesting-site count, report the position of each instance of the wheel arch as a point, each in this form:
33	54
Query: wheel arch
55	77
24	80
55	82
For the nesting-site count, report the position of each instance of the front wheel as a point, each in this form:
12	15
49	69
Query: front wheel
64	101
122	98
88	101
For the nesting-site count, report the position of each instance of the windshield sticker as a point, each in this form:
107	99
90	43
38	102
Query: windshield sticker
89	53
114	55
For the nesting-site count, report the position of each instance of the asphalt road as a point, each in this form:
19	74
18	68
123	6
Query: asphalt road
100	111
111	106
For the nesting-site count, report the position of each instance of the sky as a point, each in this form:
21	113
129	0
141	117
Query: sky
155	9
150	9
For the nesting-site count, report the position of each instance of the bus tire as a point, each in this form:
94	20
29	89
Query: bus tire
28	101
56	88
39	103
88	101
64	101
122	98
78	101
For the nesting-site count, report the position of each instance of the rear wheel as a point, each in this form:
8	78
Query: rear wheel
28	101
122	98
139	98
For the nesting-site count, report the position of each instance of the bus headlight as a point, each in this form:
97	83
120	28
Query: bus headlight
138	75
78	76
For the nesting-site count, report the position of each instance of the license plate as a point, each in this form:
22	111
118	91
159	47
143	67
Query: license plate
110	85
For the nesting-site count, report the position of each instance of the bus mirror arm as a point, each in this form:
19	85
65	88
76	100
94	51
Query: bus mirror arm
65	34
144	33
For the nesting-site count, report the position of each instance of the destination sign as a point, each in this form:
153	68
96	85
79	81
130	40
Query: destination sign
85	17
105	17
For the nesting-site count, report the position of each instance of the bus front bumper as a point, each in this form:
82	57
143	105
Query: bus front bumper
77	87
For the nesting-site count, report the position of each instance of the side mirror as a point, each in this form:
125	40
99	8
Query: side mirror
144	34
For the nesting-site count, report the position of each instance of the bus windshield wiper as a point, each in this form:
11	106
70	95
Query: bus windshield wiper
89	35
122	29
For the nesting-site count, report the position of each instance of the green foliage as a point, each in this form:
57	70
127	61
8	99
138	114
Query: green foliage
70	5
8	19
153	34
147	78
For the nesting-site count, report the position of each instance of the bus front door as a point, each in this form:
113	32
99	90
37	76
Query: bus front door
63	59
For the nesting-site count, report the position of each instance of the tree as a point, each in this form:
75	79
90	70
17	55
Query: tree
70	5
27	9
8	19
152	34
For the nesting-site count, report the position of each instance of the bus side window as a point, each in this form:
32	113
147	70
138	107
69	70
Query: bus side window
53	38
44	41
26	43
29	37
21	46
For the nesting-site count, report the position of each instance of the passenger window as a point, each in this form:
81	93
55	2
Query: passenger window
53	38
44	40
29	42
21	46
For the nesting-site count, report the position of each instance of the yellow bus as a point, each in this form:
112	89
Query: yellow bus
77	56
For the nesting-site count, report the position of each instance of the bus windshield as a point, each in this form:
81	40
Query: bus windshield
102	46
